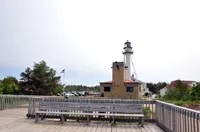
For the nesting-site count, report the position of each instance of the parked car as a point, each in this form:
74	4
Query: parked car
68	95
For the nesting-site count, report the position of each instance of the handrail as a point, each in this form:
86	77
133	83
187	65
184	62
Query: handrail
173	118
180	107
13	101
16	101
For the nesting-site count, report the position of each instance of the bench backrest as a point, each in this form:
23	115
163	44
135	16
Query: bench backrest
90	107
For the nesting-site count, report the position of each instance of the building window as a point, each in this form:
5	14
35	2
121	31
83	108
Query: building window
106	89
129	89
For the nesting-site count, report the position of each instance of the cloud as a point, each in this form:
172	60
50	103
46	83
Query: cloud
87	36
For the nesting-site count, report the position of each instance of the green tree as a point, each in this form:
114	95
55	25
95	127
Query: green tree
155	87
195	94
183	89
69	88
58	90
160	85
152	87
10	85
41	80
172	94
1	87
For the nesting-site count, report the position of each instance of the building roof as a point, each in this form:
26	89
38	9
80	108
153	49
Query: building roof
174	83
107	82
127	42
126	82
130	81
139	81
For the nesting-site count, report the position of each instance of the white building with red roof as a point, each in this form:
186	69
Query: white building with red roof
173	84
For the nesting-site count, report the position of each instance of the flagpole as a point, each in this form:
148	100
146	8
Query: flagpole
63	80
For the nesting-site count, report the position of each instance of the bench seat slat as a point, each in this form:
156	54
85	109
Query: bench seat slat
125	110
94	114
79	104
88	104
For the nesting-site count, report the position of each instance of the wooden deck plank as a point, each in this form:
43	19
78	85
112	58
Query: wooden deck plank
9	125
38	128
104	127
143	129
118	126
14	120
137	128
123	128
146	128
89	127
30	128
94	127
132	128
108	127
127	127
113	128
72	126
158	128
151	128
99	127
80	127
66	127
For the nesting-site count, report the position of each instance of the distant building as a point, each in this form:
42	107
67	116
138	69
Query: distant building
145	89
174	83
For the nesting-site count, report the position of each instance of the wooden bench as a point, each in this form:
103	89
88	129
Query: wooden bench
90	109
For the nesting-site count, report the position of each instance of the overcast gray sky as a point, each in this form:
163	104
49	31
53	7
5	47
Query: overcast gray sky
86	36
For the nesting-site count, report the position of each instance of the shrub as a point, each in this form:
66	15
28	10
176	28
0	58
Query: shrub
195	93
187	95
172	94
180	102
1	87
158	96
147	111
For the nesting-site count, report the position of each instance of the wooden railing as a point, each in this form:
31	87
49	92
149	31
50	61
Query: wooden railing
167	116
172	118
16	101
13	101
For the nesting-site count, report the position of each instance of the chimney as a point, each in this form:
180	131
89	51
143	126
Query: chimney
118	70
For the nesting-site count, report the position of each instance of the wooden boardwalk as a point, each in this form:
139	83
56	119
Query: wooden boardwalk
14	120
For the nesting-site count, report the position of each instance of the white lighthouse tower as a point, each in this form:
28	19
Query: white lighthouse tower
127	58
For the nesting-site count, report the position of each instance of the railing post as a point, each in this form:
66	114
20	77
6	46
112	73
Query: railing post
1	102
184	121
197	121
156	112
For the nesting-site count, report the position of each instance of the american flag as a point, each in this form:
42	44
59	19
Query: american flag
62	71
